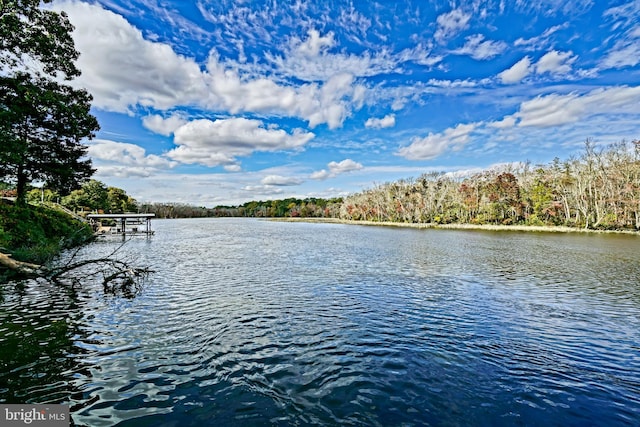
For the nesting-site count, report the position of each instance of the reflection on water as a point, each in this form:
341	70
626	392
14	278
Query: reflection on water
251	322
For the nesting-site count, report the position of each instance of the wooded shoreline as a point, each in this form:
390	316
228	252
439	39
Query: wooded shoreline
476	227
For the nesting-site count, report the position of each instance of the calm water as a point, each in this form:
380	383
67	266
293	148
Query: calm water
249	322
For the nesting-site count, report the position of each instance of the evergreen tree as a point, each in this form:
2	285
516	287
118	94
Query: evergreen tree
42	121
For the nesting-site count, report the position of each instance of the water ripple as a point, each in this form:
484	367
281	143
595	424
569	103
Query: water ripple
260	323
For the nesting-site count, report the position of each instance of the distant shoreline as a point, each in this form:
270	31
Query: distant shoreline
479	227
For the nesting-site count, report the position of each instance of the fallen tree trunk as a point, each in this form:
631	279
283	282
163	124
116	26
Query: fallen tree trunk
118	276
19	266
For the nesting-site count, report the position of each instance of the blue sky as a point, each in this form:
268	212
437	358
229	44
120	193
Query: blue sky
221	102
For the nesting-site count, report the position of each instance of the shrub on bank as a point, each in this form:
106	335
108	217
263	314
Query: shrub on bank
36	234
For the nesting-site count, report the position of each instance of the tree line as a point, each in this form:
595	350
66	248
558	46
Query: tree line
599	189
310	207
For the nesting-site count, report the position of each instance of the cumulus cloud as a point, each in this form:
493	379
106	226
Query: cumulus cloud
163	126
386	122
555	62
122	70
480	49
450	24
328	103
434	145
517	72
336	168
219	142
279	180
123	159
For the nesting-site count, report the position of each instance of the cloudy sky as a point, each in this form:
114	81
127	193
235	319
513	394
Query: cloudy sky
212	102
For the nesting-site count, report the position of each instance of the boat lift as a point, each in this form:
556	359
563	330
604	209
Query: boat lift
125	224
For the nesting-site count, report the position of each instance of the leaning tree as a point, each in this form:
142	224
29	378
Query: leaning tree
42	120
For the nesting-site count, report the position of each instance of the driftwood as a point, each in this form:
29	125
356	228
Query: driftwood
20	267
118	276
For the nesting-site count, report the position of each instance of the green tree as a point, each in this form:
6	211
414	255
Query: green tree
42	121
119	202
38	195
30	34
93	196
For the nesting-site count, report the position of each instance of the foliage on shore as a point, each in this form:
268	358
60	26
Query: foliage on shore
291	207
597	190
36	234
600	189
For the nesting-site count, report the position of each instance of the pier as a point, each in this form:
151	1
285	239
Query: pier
121	224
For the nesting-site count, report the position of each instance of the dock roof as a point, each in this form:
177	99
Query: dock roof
122	215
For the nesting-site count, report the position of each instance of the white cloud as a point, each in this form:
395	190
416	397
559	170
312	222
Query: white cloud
540	42
320	175
219	142
555	110
623	55
452	84
625	52
123	70
386	122
555	62
344	166
315	43
310	60
450	24
420	54
120	68
624	15
328	103
279	180
434	145
495	167
263	190
517	72
234	167
551	7
163	126
480	49
336	168
113	158
505	123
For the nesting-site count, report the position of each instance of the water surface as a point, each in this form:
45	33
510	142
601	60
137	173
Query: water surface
249	322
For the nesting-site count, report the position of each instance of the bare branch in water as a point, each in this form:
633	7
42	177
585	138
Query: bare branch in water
119	277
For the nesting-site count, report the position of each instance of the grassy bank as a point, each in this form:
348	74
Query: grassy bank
36	234
486	227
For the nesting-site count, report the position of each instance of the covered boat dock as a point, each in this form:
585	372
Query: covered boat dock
122	224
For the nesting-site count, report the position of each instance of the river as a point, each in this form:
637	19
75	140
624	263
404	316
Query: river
249	322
